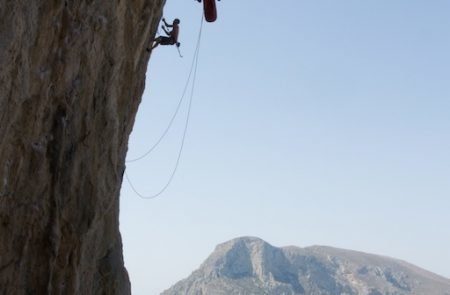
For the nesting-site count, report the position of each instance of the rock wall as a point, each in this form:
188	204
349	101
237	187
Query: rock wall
72	75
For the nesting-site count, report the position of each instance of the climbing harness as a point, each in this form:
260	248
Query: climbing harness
193	71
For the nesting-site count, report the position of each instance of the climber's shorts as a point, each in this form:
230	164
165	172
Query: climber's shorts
166	41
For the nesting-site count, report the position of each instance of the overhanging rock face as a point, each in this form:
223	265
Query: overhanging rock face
72	75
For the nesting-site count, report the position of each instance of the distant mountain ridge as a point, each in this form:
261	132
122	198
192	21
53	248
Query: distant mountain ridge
250	265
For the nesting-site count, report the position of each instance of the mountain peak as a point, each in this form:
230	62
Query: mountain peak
249	265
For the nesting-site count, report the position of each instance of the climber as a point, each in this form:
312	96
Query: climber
172	36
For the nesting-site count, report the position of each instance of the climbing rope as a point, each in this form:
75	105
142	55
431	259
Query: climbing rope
194	71
150	150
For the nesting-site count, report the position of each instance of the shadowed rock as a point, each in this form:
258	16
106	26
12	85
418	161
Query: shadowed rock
72	75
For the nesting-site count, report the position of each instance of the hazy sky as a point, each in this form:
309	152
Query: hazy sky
314	122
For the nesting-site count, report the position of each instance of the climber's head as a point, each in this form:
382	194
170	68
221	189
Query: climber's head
176	21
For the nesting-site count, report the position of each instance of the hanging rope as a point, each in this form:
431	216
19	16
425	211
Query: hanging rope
150	150
194	71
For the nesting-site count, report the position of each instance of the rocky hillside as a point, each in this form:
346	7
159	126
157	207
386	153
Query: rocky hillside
71	78
252	266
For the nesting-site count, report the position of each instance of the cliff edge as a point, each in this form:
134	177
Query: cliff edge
72	74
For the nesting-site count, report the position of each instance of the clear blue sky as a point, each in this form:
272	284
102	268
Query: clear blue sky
314	122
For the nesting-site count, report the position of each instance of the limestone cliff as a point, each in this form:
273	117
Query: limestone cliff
71	78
